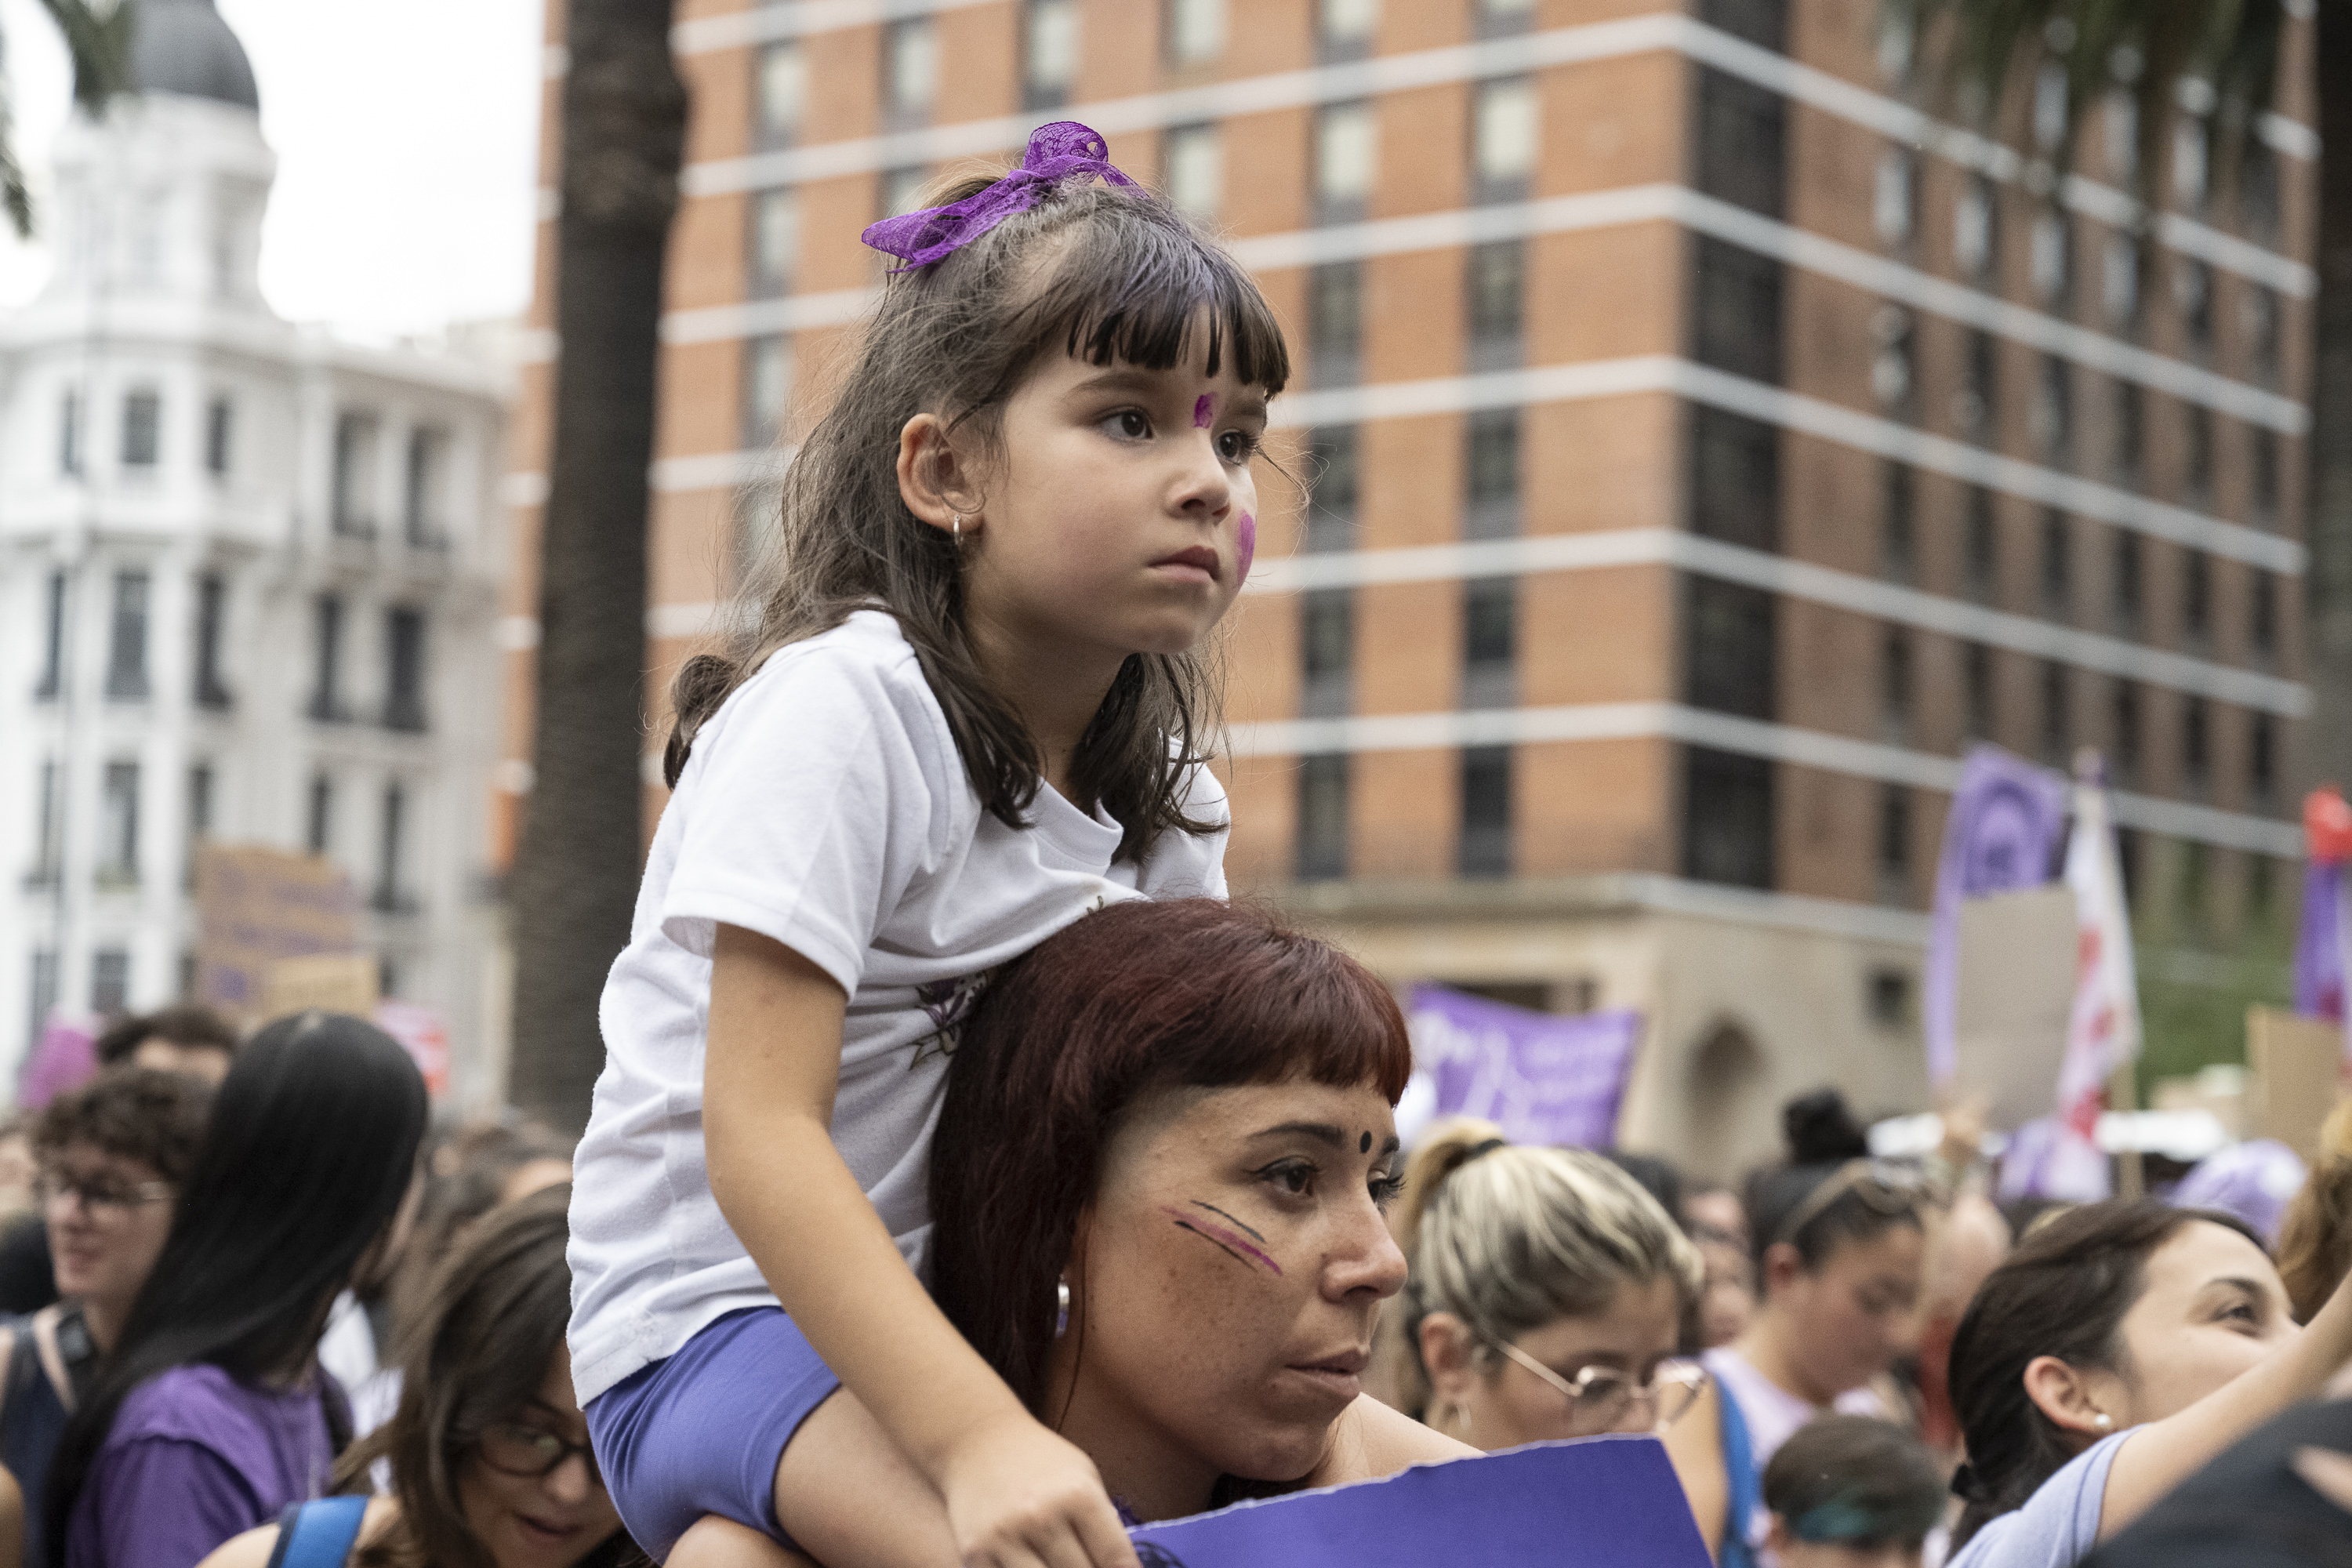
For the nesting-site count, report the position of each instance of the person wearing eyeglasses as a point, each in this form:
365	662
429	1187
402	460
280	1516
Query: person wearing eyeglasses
1546	1294
487	1450
109	1157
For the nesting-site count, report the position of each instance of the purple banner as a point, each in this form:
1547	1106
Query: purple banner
65	1058
2008	817
1603	1502
2319	944
1541	1078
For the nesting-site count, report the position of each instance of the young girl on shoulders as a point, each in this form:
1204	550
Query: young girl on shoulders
970	708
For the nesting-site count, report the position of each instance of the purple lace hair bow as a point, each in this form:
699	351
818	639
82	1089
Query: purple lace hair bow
1057	152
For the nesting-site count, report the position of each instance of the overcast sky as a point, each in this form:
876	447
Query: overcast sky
408	142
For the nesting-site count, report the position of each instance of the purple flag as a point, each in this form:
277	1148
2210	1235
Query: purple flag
1602	1502
2006	819
65	1059
2319	944
1541	1078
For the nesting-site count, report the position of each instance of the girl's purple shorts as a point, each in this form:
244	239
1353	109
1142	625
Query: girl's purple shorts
701	1432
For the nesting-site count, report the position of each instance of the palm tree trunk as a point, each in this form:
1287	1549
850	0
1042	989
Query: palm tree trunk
575	873
2329	586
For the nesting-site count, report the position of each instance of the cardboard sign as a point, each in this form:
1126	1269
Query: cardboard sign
1543	1078
330	982
1602	1502
2295	1068
255	907
2014	997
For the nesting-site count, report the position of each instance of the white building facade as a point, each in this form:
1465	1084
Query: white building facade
248	579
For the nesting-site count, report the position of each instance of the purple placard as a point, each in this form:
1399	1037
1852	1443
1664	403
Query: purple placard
2320	943
1541	1078
2006	819
65	1059
1602	1502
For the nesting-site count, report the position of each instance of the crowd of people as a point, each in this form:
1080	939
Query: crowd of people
971	1180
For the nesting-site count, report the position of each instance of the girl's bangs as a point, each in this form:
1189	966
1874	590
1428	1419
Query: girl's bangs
1135	288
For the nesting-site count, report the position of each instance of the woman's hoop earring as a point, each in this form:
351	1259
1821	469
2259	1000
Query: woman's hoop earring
2103	1421
1061	1308
955	528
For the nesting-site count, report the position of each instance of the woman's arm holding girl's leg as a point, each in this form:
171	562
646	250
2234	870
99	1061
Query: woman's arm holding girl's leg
2163	1454
1015	1494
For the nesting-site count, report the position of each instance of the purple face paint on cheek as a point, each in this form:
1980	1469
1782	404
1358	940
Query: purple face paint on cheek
1246	537
1229	1242
1205	409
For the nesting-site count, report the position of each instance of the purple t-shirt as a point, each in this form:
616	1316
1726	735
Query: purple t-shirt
193	1458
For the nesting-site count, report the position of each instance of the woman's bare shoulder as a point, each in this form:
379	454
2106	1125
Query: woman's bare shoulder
1374	1440
252	1549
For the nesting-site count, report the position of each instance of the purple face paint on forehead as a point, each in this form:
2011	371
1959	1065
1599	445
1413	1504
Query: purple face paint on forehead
1245	544
1205	409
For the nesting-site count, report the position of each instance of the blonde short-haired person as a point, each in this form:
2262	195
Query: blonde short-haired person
1546	1294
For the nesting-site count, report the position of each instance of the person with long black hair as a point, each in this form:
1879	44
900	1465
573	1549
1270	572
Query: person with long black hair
212	1415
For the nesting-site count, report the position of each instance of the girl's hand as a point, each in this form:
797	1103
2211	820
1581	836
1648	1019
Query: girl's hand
1020	1497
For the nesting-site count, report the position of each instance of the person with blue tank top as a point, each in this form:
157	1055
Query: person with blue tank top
488	1452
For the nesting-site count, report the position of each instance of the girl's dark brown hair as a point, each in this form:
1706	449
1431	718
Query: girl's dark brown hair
476	1354
1192	993
1105	274
2064	1293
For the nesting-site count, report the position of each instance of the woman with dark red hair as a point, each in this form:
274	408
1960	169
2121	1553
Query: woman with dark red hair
1157	1188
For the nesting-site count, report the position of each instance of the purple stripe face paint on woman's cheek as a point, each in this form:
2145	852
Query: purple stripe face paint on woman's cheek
1204	410
1245	546
1229	1242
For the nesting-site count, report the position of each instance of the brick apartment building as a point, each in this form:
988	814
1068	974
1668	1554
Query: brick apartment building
1710	436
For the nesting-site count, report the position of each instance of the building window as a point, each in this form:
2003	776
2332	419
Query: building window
53	643
1894	196
318	827
2262	761
775	240
1335	324
2258	191
779	91
126	649
1490	642
2197	462
2195	742
1326	652
910	69
424	484
767	389
2191	154
1500	18
2053	410
1735	489
118	826
1977	692
1321	848
1742	133
212	627
49	847
1194	161
2124	584
1049	52
2197	597
2126	731
1890	995
1894	845
2266	477
1492	468
1736	309
1196	30
2052	97
898	191
1347	161
1505	135
1727	818
353	498
1981	551
1894	360
142	429
2057	566
1728	647
110	981
1484	847
1895	685
326	658
2192	291
2258	320
2119	280
2130	434
403	700
44	991
2051	256
220	430
2057	712
1974	406
389	846
1764	22
1975	229
1331	488
1496	276
1898	523
200	816
69	434
1344	29
2262	617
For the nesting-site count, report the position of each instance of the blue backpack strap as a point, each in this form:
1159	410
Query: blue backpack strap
319	1534
1745	1486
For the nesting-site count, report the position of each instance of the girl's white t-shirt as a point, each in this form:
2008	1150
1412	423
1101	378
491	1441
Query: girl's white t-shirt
824	805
